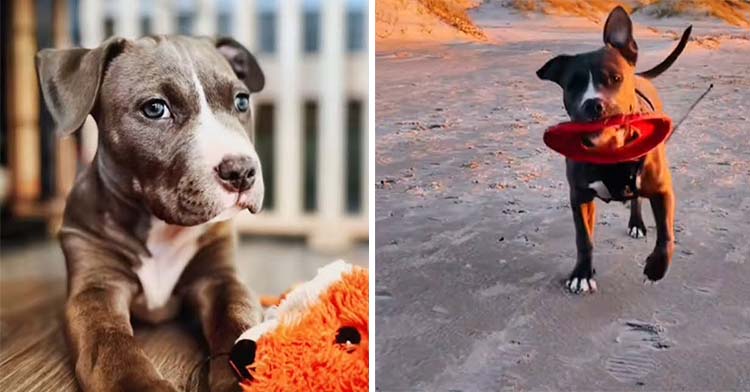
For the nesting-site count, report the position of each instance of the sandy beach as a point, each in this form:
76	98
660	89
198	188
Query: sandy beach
474	232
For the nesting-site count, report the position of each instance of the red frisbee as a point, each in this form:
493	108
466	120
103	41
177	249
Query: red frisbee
626	138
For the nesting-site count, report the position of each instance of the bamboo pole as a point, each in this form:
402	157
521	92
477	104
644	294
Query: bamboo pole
23	108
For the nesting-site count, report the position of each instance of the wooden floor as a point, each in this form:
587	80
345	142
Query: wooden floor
33	352
34	356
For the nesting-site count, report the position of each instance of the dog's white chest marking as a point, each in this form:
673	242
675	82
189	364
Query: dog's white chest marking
601	190
171	249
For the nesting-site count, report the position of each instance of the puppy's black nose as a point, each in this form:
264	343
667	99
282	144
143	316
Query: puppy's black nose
594	108
237	173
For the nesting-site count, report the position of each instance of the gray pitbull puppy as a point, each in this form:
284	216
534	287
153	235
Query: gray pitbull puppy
600	84
145	228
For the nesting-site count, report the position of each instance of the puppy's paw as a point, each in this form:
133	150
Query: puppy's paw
636	228
148	385
581	286
222	376
637	232
657	264
164	386
225	385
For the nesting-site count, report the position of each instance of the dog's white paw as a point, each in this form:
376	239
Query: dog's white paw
636	232
581	286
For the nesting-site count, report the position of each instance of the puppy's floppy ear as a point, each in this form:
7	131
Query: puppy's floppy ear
243	63
618	33
70	80
553	69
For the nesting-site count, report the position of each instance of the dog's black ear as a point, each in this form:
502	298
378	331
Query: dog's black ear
70	80
243	63
618	33
553	69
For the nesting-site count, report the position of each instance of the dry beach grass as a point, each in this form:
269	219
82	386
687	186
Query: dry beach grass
412	20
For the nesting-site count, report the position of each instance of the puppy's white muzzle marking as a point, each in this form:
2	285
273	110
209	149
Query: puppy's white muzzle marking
591	92
214	142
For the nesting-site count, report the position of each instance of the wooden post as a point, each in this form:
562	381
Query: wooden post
91	16
92	23
23	108
127	20
288	134
245	24
206	18
331	164
244	30
67	151
163	21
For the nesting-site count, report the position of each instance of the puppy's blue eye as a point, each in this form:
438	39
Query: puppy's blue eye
242	102
156	109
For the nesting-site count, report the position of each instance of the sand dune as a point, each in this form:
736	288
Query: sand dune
420	20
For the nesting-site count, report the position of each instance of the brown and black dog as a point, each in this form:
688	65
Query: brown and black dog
145	229
600	84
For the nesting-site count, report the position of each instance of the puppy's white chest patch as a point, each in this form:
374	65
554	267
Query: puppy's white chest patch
171	249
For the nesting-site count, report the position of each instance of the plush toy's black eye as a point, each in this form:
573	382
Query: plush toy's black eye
348	335
156	109
242	356
242	102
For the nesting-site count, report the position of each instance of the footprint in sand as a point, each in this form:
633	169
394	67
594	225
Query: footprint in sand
474	374
633	357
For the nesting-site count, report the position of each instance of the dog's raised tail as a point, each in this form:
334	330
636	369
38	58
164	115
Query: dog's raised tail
664	65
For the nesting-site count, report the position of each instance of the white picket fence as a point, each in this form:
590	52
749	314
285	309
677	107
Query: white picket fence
330	76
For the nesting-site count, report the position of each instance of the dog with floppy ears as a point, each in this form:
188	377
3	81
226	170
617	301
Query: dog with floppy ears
597	85
145	230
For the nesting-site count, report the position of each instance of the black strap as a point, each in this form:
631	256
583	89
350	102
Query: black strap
621	179
645	98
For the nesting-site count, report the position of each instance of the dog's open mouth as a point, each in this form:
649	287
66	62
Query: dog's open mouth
611	138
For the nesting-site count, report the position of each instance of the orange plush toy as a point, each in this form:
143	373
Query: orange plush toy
316	339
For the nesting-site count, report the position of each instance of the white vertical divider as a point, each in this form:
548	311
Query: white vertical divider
331	162
288	135
127	20
206	18
245	23
91	15
164	17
